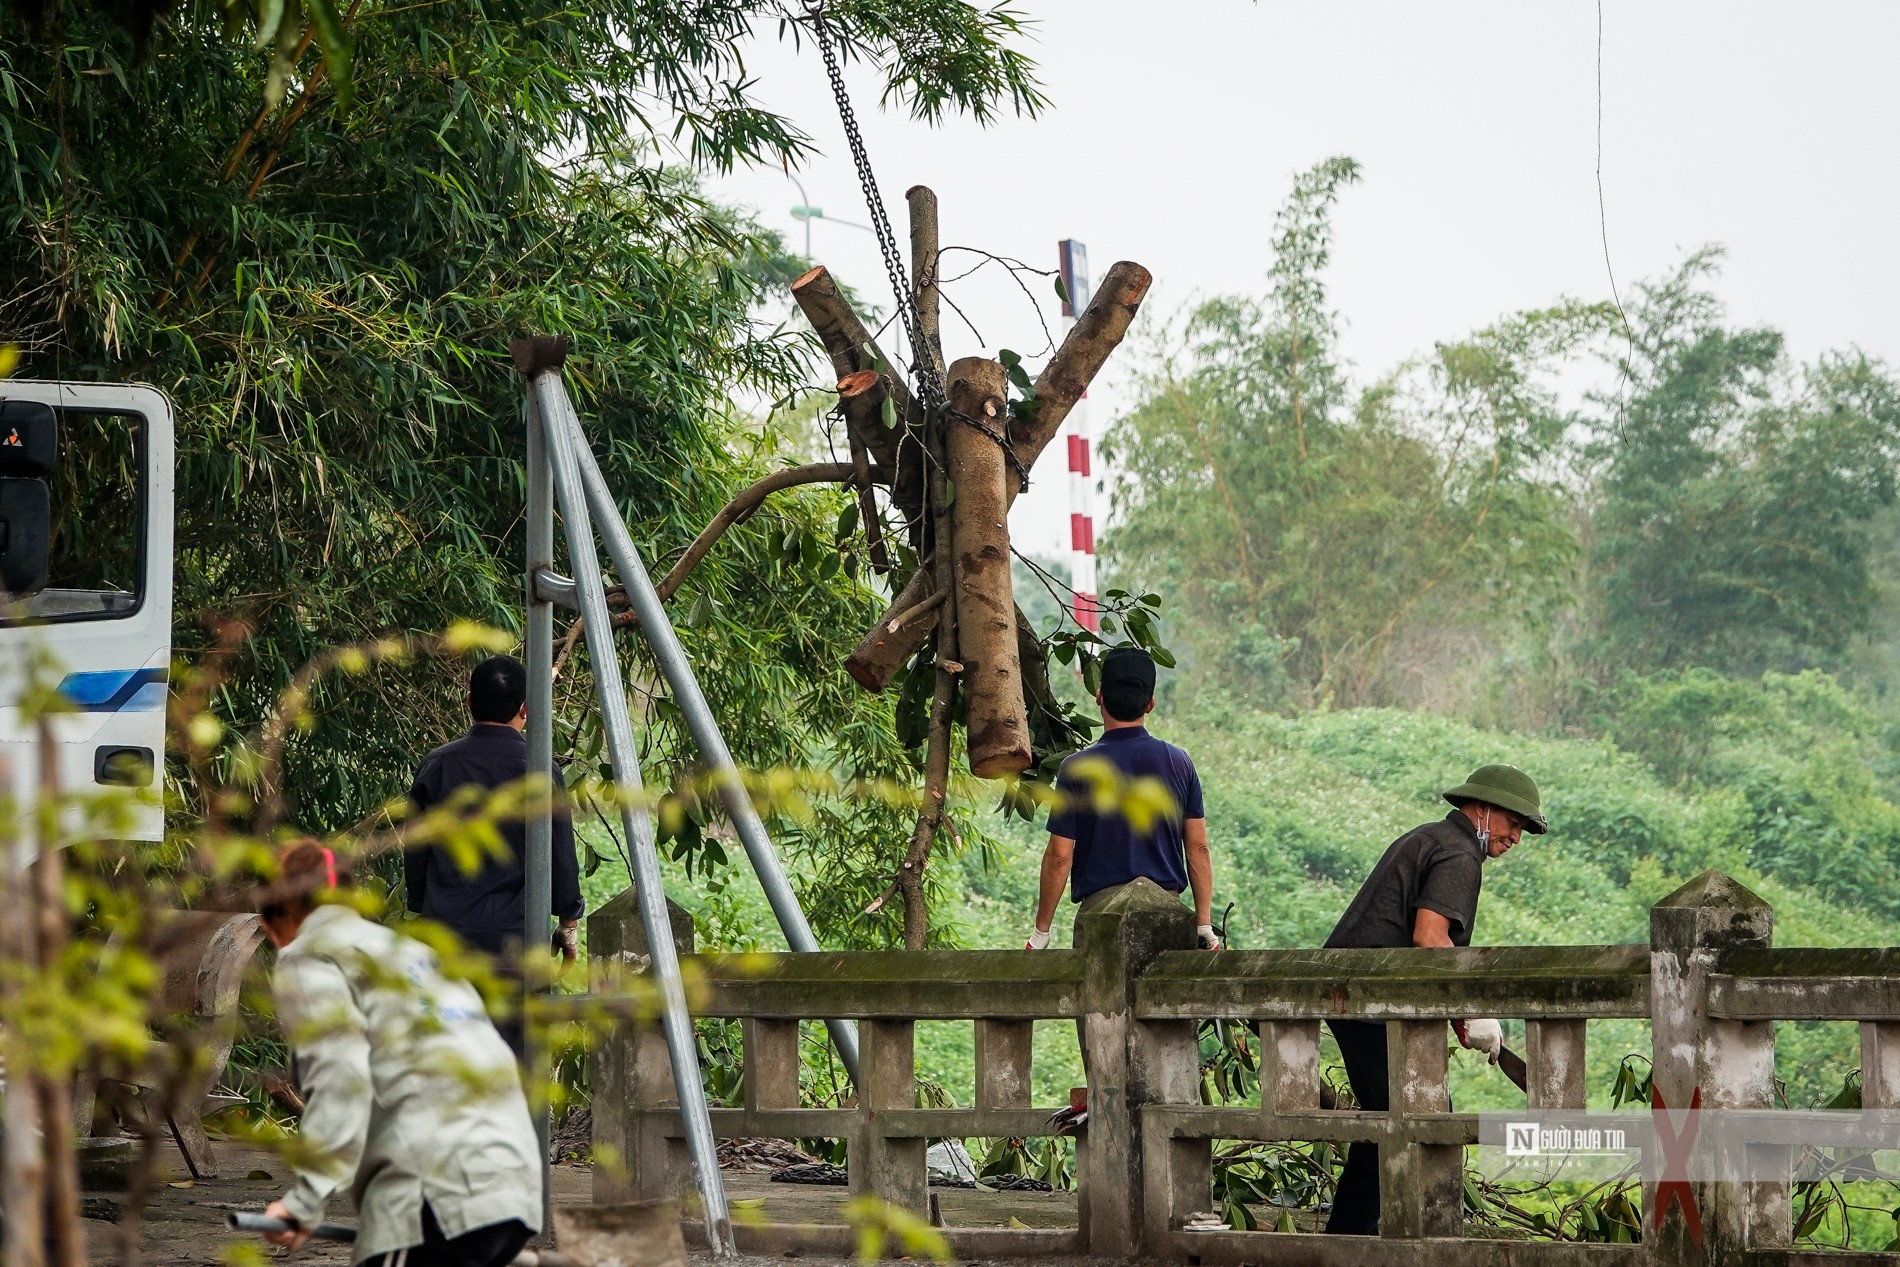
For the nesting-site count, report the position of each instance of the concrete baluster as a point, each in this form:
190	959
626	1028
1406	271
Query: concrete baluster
1002	1064
889	1169
1554	1059
1420	1185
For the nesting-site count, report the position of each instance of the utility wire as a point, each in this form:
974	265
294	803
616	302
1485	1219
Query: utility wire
1603	229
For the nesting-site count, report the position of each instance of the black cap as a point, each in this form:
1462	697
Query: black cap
1130	670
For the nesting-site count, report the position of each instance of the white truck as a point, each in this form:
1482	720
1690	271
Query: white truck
86	575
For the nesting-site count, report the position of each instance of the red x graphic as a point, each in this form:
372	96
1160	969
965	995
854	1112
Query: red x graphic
1676	1148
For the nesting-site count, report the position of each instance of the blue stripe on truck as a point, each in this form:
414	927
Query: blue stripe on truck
111	690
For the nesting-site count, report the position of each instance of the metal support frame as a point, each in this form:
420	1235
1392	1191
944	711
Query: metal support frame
553	441
700	722
537	896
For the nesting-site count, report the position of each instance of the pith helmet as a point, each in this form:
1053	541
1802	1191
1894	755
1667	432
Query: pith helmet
1507	787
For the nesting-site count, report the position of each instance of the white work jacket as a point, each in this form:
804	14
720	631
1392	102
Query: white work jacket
411	1094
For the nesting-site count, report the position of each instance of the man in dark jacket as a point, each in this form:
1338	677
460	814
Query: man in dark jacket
484	907
1424	892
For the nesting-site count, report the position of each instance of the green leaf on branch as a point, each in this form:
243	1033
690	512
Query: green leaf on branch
888	412
1013	366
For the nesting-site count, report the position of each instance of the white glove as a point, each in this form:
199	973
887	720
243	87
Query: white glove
1205	938
1038	940
1484	1035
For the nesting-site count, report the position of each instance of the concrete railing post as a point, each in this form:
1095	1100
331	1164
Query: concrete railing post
630	1071
880	1166
1419	1184
1719	1064
1131	1064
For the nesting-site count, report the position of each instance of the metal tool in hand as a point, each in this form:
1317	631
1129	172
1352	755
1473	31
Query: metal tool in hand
265	1225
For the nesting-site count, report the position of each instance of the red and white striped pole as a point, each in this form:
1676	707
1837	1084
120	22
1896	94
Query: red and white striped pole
1075	286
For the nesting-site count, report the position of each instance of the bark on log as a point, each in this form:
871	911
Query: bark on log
997	721
882	652
1096	334
845	338
923	271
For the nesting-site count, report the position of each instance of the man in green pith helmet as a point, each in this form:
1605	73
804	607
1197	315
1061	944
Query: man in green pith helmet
1424	892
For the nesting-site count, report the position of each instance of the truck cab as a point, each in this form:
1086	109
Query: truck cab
86	588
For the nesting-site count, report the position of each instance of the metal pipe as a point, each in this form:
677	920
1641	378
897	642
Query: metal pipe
537	890
560	427
548	586
704	727
264	1225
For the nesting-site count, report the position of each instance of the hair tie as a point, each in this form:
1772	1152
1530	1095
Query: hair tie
329	865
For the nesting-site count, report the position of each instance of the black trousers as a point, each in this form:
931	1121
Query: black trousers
491	1246
1356	1203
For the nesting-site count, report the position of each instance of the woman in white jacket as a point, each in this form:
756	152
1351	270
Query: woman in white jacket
412	1100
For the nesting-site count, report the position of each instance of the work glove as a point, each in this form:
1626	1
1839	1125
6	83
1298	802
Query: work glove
1483	1035
1205	938
1038	940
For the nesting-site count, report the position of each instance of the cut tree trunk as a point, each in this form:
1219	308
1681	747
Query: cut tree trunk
1096	334
862	396
883	651
1100	329
851	346
994	713
923	263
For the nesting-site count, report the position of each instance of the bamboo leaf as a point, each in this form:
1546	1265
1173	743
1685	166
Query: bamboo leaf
335	44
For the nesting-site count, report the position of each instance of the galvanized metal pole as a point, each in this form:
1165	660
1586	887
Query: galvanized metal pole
678	671
551	397
538	862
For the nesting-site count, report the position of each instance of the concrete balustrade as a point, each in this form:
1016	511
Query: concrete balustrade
1710	982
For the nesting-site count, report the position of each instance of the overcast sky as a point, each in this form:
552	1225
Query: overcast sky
1176	129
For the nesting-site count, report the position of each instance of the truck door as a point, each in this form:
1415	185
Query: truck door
86	566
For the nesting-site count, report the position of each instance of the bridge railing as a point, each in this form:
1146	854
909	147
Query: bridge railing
1708	981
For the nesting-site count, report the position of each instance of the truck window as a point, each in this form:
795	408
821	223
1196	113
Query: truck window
96	569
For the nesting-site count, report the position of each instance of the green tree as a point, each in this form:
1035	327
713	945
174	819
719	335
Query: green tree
1737	493
327	297
1312	528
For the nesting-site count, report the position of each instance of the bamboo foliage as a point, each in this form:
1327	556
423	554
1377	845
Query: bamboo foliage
326	295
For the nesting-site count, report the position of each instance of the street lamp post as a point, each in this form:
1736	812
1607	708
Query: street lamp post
806	212
804	204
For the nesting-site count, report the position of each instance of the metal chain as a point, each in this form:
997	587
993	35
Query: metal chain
929	385
999	437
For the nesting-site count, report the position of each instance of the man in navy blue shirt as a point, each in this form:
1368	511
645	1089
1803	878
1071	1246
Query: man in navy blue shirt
1158	838
485	907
